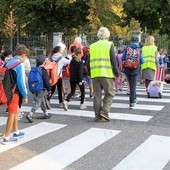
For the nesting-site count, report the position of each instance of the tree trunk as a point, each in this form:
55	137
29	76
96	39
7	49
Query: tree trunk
50	41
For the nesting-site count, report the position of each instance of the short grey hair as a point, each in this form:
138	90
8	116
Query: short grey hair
103	33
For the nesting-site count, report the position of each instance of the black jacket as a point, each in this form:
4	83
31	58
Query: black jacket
76	71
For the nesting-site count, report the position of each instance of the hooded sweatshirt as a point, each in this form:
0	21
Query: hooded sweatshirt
130	71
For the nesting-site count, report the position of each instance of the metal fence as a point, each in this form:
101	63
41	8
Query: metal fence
41	42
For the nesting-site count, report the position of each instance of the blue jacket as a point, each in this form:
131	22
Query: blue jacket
19	76
129	71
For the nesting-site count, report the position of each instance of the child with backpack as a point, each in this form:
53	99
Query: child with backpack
76	78
16	82
132	58
61	61
38	83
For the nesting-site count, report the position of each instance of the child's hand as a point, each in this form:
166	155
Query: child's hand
80	83
25	100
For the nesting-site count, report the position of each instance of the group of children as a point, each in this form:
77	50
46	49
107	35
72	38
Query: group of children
43	95
77	59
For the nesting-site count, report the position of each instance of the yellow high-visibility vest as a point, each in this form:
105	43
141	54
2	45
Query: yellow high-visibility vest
149	57
100	65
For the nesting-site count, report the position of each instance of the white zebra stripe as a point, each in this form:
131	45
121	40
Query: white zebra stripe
153	154
84	113
39	130
68	152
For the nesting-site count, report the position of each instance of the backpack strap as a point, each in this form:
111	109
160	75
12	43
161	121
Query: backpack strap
14	65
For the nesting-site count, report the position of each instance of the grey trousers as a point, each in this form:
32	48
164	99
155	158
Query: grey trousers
39	101
106	84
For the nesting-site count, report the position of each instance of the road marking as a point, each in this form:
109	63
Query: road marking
138	92
162	100
68	152
116	105
33	132
85	113
3	120
153	154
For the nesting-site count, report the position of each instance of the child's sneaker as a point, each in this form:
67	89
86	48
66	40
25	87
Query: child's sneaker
91	95
47	116
60	105
9	141
18	135
65	105
20	115
82	106
29	118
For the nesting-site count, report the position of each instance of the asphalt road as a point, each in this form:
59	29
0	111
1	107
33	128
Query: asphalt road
134	139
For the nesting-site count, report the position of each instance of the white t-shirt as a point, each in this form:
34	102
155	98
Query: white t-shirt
62	61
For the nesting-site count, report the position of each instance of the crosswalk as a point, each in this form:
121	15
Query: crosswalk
90	142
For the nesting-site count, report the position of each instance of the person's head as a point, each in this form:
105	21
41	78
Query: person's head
150	40
22	52
119	51
161	51
72	49
78	40
134	39
57	49
6	55
77	53
103	33
40	60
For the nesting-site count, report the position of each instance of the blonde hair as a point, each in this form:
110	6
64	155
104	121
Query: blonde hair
150	40
78	39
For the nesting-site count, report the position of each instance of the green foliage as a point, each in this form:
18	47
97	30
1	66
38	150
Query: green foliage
152	14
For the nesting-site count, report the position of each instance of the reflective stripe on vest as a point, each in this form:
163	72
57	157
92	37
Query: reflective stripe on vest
149	57
100	65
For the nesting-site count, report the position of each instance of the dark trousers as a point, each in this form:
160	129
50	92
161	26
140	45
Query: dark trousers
132	79
59	89
73	89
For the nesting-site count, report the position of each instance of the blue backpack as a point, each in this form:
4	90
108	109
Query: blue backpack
35	81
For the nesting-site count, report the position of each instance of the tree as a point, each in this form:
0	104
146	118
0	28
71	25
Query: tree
10	27
48	16
152	14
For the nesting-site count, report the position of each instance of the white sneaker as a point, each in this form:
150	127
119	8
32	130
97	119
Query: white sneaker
20	115
65	105
82	106
60	105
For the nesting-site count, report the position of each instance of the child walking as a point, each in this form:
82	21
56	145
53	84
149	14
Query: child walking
162	62
119	79
18	80
76	78
40	96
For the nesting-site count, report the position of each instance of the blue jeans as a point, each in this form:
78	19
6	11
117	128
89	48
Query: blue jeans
132	80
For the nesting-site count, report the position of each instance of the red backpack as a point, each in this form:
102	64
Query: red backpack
66	71
6	90
132	59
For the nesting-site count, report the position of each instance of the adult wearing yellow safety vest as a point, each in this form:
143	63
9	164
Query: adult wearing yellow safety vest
103	69
149	51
